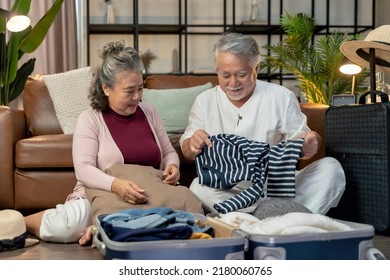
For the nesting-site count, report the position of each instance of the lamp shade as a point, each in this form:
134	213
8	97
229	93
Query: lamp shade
18	23
350	69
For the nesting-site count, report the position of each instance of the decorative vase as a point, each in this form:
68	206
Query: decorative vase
254	11
110	13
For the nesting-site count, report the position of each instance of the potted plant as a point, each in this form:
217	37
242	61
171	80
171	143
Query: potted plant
12	78
315	65
147	59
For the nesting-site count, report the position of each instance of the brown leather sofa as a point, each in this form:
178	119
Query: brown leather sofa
36	168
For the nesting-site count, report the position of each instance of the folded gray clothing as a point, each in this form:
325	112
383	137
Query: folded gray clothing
272	207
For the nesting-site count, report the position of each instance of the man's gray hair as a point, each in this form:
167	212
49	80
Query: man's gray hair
238	44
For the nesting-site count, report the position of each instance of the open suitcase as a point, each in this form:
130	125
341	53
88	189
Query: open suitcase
358	136
356	244
227	245
348	245
231	243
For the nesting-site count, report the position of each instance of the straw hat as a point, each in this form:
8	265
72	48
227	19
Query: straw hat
13	233
358	51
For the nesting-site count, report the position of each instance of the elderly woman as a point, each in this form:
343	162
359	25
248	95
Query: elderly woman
120	132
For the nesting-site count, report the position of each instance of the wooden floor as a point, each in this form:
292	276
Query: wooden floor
52	251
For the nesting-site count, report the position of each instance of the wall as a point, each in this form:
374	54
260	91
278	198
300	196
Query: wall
382	12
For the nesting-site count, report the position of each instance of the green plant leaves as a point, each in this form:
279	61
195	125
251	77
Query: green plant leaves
12	79
17	86
3	56
314	62
13	56
21	7
31	42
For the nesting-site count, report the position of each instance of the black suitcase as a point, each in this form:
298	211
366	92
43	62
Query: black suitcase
358	136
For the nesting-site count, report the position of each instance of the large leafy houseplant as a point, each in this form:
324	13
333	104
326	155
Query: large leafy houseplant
315	64
13	77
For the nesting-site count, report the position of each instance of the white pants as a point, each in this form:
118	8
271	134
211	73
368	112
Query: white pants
67	222
319	187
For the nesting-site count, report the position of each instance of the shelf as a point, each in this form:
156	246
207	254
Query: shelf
131	28
161	29
256	29
111	28
180	9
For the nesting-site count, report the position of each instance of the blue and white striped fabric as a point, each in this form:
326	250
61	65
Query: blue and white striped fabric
233	159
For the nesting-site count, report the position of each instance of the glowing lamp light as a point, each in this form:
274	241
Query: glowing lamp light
15	22
351	69
18	23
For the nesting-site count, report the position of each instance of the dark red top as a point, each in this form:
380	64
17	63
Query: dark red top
134	137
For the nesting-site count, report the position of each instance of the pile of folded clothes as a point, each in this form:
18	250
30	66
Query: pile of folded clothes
153	224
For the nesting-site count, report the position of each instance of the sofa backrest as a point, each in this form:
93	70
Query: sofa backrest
39	109
165	81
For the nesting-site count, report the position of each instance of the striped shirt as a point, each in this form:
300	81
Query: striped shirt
233	159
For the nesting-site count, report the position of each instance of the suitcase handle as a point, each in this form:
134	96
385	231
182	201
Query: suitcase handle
97	242
384	97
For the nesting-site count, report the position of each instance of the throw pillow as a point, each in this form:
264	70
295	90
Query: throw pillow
69	93
174	105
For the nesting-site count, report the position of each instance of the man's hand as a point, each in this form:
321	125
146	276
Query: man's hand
198	140
311	144
194	145
129	191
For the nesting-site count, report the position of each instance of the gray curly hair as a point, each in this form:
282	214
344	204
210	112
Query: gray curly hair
115	58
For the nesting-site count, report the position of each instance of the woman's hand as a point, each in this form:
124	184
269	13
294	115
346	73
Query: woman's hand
129	191
171	174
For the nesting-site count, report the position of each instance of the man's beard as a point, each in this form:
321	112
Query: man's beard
236	97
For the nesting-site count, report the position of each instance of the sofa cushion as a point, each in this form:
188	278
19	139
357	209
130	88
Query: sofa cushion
44	151
69	93
174	105
38	108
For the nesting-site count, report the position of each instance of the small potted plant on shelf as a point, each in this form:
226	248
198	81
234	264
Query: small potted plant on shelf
147	58
315	65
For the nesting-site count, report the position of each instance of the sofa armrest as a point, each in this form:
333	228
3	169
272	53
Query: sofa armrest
13	128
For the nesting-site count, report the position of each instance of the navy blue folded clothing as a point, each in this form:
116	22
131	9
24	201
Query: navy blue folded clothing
152	234
151	224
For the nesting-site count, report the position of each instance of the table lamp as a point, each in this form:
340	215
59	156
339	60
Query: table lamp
350	68
15	23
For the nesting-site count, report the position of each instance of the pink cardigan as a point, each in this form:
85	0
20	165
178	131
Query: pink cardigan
94	150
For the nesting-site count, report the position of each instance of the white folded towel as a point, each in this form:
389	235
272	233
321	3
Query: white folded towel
291	223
